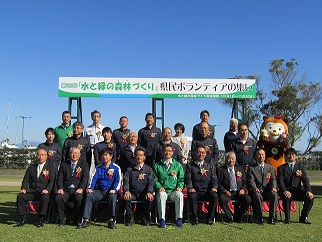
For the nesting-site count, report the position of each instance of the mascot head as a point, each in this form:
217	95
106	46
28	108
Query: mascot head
275	128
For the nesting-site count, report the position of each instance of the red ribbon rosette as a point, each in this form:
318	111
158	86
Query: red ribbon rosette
45	173
203	172
78	172
110	173
239	176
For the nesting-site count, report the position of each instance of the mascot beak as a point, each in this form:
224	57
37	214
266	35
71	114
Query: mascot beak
275	133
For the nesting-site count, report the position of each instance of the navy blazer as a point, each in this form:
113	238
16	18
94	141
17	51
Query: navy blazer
198	181
287	179
66	179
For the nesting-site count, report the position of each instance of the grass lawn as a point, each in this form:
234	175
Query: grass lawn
98	232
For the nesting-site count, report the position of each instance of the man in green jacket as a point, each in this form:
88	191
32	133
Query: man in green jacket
65	130
169	182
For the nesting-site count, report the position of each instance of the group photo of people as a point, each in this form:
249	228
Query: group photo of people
160	177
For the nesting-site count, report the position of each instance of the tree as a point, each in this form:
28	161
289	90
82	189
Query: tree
292	98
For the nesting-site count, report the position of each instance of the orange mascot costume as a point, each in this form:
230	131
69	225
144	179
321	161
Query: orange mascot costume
274	140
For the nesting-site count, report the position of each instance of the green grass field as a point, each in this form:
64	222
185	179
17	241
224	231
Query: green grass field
98	232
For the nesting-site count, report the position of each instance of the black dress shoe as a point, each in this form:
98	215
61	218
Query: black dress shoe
62	222
287	221
84	224
304	221
40	223
21	223
195	221
271	220
145	222
210	221
111	224
230	220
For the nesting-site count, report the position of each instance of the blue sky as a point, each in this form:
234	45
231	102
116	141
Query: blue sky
43	40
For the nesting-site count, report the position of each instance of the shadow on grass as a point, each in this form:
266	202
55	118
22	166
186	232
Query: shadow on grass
8	213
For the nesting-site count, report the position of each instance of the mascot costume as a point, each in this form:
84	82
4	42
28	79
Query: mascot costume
274	140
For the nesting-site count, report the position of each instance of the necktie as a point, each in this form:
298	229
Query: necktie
38	171
232	178
291	166
73	169
262	169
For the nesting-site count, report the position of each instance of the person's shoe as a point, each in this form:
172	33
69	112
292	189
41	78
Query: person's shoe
84	224
145	222
111	224
287	221
129	220
195	221
21	223
40	223
210	221
230	220
163	223
178	222
271	220
62	222
304	221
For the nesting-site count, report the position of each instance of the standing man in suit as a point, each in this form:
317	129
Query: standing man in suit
120	136
232	186
77	140
72	181
127	158
289	178
149	136
36	185
201	182
244	146
208	142
262	186
204	117
166	139
231	135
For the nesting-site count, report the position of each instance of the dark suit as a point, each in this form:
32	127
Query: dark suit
138	183
34	188
265	183
202	183
224	185
65	182
291	181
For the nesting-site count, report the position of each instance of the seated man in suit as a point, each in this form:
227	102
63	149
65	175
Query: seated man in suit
289	178
262	186
138	186
36	185
232	185
72	180
169	181
201	182
104	186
